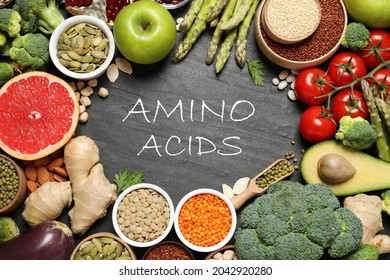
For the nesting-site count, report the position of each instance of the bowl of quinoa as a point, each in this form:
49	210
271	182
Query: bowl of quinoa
205	220
313	50
143	215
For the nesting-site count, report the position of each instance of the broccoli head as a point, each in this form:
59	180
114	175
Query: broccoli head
385	196
46	11
356	133
10	22
30	52
356	36
6	72
295	221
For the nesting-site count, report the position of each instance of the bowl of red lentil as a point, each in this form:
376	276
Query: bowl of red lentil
315	49
143	215
205	220
13	188
168	250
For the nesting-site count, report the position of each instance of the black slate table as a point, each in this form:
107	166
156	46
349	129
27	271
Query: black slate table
269	122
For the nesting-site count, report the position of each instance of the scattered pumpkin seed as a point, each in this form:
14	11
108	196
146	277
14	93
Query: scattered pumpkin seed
124	65
112	72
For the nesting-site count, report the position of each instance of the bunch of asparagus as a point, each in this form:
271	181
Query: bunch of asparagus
379	110
230	19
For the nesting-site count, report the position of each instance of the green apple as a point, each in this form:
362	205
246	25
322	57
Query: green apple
372	13
145	32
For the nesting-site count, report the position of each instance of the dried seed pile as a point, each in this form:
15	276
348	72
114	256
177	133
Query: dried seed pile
83	92
292	19
321	41
50	168
9	182
205	220
278	170
143	215
82	48
227	255
286	78
167	252
102	248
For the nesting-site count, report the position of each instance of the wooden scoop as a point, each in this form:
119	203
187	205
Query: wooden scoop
253	190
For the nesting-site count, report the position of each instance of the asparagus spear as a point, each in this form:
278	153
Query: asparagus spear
376	122
194	32
384	111
212	50
242	36
191	15
217	9
238	17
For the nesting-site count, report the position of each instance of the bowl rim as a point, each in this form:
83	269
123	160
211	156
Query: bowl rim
119	200
22	188
73	20
176	6
228	236
220	250
106	234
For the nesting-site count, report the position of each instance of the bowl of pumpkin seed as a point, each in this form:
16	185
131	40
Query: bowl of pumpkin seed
103	246
82	47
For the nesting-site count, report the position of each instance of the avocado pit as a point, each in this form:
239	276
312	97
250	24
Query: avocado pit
333	168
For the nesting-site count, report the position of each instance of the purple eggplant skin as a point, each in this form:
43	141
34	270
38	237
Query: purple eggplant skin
50	240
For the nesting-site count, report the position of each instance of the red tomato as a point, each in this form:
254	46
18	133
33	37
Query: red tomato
311	83
316	124
345	67
382	77
379	43
347	102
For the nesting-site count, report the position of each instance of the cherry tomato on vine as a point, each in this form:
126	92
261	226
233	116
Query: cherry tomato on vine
379	43
382	77
349	102
345	67
311	83
317	124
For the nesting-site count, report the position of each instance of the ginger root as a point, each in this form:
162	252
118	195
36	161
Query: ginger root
368	208
92	192
47	202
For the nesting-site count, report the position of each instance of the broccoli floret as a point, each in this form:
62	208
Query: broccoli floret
10	22
356	36
385	196
6	72
30	52
296	221
29	26
295	246
249	247
47	12
365	252
350	236
3	39
356	133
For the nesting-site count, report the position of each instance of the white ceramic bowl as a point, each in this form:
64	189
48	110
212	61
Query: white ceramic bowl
168	228
175	6
71	21
228	236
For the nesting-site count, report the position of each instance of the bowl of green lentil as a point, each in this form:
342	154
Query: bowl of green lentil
82	47
13	188
143	215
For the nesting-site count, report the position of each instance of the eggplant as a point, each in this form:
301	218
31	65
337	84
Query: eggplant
50	240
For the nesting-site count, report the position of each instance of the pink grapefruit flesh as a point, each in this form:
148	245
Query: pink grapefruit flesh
38	115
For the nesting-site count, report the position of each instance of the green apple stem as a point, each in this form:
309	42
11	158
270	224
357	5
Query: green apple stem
194	32
238	16
242	36
191	14
213	46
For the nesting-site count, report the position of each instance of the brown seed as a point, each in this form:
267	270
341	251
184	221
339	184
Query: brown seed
42	161
31	172
43	175
87	91
60	171
59	162
59	178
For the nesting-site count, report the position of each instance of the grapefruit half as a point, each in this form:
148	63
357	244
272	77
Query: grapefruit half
38	115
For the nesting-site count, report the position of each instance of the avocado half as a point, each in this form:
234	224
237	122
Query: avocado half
372	174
